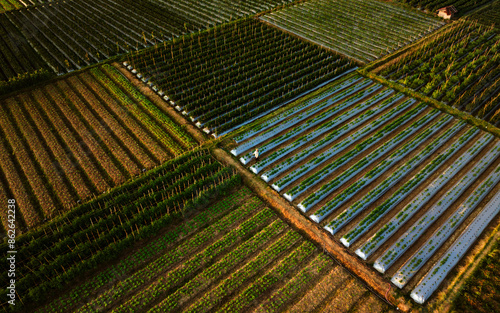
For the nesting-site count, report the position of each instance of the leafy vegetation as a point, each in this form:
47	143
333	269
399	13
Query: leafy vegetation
480	292
489	15
362	29
230	75
463	6
96	232
76	137
458	66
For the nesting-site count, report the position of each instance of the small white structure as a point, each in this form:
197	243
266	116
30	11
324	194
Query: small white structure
447	12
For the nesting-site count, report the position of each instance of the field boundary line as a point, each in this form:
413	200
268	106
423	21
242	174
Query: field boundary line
471	120
314	232
446	297
156	100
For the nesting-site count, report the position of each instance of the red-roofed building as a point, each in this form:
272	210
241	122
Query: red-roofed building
447	12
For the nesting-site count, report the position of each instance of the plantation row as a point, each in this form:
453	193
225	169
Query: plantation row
236	255
229	76
365	162
17	56
74	138
488	15
68	35
480	293
460	66
7	5
212	12
362	30
94	233
463	6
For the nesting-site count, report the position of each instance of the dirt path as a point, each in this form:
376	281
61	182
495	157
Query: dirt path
198	135
313	231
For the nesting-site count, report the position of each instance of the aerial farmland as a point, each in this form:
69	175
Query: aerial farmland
249	156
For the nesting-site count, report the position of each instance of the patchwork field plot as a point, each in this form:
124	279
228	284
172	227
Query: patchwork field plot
77	137
480	294
234	256
73	34
68	35
463	6
230	76
362	29
488	15
211	12
94	233
17	56
382	173
459	66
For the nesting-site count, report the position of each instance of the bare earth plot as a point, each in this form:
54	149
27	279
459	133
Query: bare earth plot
362	30
235	256
74	138
393	179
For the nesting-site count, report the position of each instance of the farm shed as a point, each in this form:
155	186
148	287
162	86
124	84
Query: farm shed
447	12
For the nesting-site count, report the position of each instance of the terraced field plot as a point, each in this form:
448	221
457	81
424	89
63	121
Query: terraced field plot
393	179
92	234
459	66
362	29
75	138
228	77
68	35
234	256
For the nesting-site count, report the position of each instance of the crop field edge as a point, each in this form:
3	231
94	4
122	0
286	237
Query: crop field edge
342	256
469	119
485	243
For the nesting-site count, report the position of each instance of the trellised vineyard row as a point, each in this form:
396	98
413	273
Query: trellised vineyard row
67	35
459	66
100	229
79	136
228	76
362	29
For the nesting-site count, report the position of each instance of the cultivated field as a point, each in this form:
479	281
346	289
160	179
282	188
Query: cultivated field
459	66
362	29
235	256
393	179
68	35
74	138
463	6
7	5
67	247
16	54
480	293
488	15
229	76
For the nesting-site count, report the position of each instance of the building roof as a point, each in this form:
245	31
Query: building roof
449	10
